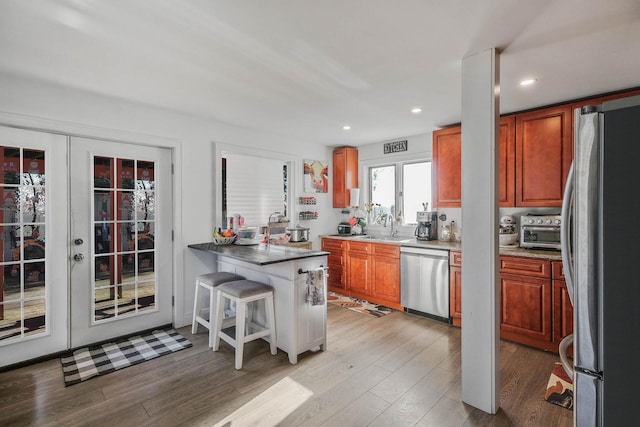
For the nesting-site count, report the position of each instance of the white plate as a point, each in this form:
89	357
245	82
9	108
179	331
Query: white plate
513	245
246	242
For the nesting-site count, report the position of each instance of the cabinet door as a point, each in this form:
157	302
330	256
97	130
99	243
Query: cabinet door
386	278
359	273
526	310
455	295
447	164
345	175
562	312
507	162
544	150
335	264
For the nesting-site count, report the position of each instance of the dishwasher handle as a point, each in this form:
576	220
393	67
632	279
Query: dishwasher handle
435	253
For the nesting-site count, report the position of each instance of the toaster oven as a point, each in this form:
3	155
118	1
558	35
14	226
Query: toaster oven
540	231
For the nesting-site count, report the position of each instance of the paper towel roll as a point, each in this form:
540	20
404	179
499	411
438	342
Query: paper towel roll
355	197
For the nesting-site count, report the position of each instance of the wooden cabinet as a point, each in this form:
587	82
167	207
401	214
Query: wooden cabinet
447	167
562	309
345	175
507	162
371	272
386	273
455	287
359	266
336	265
544	151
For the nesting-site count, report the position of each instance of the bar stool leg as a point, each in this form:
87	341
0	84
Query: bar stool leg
240	332
194	322
271	320
216	327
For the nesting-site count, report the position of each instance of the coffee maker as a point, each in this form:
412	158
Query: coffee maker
427	228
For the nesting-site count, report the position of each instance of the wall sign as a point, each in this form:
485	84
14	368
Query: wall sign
395	147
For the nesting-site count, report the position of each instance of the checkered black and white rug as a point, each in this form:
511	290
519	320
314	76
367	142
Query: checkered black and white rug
90	362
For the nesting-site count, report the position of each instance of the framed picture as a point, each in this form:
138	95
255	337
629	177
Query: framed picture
316	176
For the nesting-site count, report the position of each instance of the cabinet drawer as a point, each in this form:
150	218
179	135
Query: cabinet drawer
330	245
532	267
392	251
360	247
455	259
557	272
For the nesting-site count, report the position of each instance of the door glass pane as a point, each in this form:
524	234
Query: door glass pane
23	290
128	239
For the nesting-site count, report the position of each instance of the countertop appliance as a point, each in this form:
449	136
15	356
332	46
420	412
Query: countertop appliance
540	231
298	234
427	228
600	258
424	281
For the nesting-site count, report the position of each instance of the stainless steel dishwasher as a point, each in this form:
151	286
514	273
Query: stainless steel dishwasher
424	281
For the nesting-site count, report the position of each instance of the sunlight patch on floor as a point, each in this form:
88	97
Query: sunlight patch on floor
271	406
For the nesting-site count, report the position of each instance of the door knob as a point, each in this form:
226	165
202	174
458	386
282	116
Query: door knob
78	241
78	257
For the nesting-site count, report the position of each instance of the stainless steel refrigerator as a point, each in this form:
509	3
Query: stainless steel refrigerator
601	260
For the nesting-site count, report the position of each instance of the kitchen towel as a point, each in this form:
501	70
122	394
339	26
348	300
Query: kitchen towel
315	286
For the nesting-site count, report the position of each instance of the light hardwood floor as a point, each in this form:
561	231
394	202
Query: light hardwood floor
398	370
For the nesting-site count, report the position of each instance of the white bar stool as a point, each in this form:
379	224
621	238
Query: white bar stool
209	281
243	292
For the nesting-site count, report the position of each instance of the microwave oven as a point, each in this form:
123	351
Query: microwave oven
540	231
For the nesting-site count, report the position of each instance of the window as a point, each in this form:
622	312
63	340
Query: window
404	184
253	187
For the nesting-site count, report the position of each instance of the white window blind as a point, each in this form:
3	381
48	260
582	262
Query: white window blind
255	188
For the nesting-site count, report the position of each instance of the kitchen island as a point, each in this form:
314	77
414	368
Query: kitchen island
299	326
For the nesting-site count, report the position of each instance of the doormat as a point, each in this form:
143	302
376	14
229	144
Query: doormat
359	305
89	362
559	388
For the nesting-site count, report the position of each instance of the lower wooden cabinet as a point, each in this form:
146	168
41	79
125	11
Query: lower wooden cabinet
365	270
335	261
386	273
562	309
536	309
455	287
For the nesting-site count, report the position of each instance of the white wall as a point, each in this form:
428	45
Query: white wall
67	110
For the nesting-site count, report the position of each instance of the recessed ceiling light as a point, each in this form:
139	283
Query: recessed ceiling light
346	127
416	110
527	82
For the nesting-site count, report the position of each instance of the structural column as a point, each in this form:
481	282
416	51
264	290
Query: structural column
480	280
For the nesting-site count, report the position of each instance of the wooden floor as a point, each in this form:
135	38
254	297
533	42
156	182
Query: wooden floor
398	370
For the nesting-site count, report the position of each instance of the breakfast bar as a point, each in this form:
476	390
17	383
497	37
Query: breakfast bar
300	325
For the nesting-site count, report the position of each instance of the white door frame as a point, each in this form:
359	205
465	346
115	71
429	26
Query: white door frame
86	131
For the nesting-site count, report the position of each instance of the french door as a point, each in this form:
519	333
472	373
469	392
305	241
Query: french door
85	241
120	237
33	244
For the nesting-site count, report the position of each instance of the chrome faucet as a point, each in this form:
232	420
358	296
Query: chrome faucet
389	219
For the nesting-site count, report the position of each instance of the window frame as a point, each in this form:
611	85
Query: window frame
398	163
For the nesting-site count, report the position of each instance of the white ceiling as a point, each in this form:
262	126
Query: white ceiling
305	68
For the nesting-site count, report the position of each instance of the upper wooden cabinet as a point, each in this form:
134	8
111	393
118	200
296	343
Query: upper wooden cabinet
446	167
345	175
544	151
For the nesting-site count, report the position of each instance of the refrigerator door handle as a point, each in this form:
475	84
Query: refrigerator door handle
565	233
564	358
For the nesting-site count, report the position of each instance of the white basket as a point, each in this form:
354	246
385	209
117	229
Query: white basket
224	240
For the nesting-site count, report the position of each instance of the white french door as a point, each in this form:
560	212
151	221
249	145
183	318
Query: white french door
33	244
85	241
120	236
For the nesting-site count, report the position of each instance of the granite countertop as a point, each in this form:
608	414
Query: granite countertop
450	246
258	254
